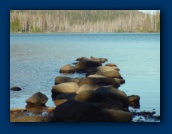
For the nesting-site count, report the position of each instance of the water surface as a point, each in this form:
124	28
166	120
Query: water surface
35	60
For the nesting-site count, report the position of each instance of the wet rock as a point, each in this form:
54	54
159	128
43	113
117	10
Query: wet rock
15	88
113	93
37	99
36	103
67	69
75	111
111	65
134	101
87	87
62	79
59	102
99	60
96	76
117	115
98	81
68	96
110	74
83	65
82	58
119	80
113	103
88	96
68	87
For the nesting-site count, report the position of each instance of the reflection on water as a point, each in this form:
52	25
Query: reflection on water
35	60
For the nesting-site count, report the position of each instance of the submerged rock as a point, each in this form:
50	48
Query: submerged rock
15	88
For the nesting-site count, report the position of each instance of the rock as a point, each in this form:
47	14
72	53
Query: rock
98	81
67	69
119	80
96	76
117	115
87	87
37	99
75	111
15	88
62	79
88	96
113	93
105	71
134	101
102	105
59	102
99	60
110	74
68	87
82	58
59	96
111	65
113	103
83	65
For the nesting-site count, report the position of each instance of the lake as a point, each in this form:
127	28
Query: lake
35	60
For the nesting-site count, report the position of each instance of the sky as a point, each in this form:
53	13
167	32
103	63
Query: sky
148	11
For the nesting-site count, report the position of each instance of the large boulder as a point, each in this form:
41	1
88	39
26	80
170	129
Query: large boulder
83	65
15	88
37	99
113	104
134	101
68	87
87	87
98	81
117	115
111	92
88	96
67	69
62	79
75	111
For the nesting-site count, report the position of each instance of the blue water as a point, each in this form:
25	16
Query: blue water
35	60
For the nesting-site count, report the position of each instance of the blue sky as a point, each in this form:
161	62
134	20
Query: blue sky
148	11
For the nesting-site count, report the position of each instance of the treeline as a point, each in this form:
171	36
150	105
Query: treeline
83	21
